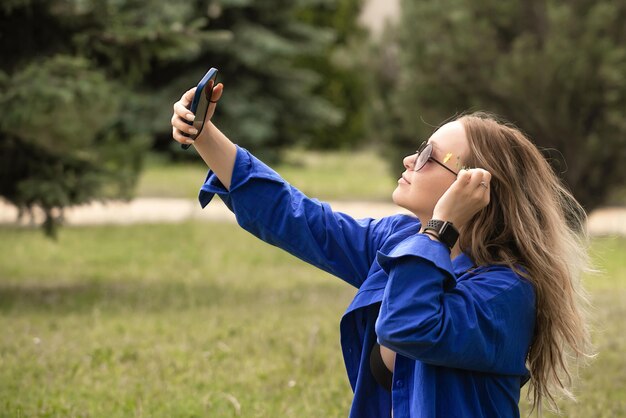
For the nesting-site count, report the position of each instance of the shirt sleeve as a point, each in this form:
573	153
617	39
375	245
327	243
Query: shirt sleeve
267	206
482	323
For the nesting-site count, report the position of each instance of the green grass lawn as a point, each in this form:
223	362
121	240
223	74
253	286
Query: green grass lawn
336	175
202	319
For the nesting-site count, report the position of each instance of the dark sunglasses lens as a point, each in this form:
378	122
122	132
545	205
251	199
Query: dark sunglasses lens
423	156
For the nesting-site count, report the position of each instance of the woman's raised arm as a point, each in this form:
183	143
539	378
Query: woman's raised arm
270	208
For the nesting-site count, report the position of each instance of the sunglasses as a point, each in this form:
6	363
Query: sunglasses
423	155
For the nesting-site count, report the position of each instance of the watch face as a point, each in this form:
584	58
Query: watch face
448	234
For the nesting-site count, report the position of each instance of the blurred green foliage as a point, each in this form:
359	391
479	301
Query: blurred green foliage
283	82
555	68
346	75
87	86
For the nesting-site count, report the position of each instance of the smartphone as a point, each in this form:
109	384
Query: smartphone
200	102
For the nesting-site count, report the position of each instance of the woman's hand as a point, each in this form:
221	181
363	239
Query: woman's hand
182	113
464	198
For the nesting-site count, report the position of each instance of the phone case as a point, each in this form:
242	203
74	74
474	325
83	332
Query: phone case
200	102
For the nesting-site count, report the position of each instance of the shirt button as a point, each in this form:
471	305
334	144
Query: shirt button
399	383
350	350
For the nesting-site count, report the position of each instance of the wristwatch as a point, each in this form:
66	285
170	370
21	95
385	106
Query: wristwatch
447	233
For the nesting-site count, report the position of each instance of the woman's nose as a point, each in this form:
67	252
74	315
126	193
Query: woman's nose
407	161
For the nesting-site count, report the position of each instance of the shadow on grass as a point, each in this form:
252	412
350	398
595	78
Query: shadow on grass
146	297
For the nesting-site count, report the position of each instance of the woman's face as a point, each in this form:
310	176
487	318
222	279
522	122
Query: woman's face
419	191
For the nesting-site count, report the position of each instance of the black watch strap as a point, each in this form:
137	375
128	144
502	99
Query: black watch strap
446	231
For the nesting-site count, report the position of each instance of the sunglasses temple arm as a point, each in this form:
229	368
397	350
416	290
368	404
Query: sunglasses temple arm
444	166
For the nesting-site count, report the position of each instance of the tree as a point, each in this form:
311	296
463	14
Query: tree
555	68
86	85
73	123
343	66
278	72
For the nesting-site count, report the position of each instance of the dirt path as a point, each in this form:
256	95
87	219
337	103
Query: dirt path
605	221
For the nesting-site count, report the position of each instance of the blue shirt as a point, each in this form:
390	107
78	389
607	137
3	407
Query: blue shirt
461	332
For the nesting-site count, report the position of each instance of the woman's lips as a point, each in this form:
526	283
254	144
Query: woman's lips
403	179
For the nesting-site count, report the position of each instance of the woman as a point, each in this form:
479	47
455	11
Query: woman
457	306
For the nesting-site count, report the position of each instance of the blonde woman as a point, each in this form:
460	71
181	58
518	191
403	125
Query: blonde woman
456	307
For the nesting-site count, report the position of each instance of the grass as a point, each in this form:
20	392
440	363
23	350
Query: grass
324	175
177	320
166	321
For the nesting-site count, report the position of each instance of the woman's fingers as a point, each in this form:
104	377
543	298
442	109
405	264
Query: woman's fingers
476	178
473	178
182	126
183	112
217	92
471	185
179	137
464	177
478	186
188	97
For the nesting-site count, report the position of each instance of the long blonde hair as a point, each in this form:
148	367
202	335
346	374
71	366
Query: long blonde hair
532	220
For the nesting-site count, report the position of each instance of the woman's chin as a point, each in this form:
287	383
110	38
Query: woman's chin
400	199
397	197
